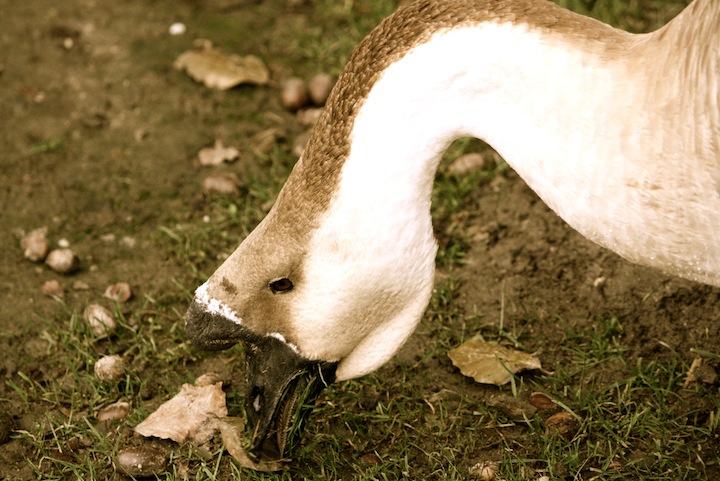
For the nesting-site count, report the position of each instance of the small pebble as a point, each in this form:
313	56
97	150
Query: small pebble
101	320
222	183
141	461
177	28
542	401
108	368
35	245
467	163
81	286
53	288
319	88
118	410
128	241
118	292
562	423
63	261
485	470
295	94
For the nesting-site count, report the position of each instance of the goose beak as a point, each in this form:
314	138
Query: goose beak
281	390
281	386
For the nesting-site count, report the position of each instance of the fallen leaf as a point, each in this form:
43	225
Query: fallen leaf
196	414
229	431
217	154
491	363
220	71
189	415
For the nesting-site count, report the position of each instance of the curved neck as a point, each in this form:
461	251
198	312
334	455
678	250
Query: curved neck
581	118
546	104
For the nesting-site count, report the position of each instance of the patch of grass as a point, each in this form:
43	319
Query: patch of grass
637	419
48	145
416	418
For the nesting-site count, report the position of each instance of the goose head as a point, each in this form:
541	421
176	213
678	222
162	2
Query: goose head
326	288
312	305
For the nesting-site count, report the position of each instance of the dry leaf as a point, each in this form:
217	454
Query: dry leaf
196	414
229	430
190	415
217	154
220	71
491	363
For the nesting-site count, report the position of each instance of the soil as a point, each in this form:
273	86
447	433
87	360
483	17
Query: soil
99	136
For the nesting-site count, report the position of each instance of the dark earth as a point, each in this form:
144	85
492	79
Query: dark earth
99	137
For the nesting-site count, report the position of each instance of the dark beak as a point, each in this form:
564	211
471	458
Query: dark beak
281	390
281	386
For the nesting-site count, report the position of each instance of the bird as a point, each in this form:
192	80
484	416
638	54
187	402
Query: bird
618	133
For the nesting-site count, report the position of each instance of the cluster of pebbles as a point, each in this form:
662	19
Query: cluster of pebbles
101	321
303	98
63	260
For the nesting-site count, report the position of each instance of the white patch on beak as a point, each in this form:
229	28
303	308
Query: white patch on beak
215	306
282	339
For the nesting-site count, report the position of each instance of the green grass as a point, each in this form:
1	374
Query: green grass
416	418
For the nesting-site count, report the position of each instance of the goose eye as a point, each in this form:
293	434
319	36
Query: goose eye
281	285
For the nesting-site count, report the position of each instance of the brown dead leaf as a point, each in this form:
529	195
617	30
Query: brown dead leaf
220	71
189	415
230	429
217	154
196	414
491	363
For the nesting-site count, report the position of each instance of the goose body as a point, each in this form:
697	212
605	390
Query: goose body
618	133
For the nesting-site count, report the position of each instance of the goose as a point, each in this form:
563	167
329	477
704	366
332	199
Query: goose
618	133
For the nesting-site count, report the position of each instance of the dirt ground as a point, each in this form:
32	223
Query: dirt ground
99	135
